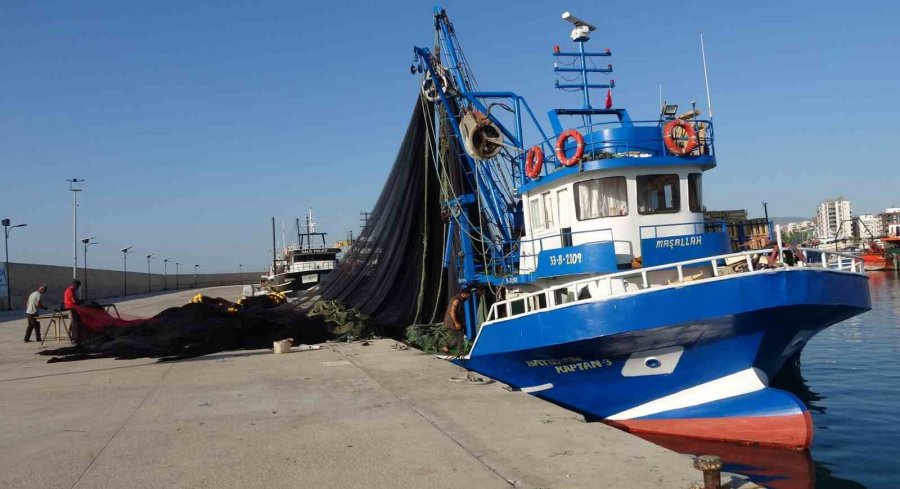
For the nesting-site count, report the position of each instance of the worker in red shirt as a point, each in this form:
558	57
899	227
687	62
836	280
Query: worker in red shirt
69	296
69	302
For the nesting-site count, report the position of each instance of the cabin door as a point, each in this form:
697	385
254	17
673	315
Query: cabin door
565	225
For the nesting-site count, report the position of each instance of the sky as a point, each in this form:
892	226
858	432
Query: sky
193	123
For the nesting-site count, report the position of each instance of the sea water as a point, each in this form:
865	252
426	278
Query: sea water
851	373
850	380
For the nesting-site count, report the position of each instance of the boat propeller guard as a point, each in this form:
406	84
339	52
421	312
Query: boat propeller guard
481	137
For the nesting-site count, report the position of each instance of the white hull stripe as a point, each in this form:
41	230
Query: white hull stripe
743	382
536	388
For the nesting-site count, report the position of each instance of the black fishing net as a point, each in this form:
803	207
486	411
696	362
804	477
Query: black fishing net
393	273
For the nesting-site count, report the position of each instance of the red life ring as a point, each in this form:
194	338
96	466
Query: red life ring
561	147
669	139
534	161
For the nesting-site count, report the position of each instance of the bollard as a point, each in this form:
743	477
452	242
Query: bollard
711	466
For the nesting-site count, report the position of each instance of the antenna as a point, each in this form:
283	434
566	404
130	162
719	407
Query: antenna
706	78
582	29
310	224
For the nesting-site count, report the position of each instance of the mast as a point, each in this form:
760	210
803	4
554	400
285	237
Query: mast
299	234
706	79
274	248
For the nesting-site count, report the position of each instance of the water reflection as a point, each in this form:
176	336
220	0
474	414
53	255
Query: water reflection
769	467
791	380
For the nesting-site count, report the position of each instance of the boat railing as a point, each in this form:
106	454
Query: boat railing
522	254
563	239
634	143
670	275
679	228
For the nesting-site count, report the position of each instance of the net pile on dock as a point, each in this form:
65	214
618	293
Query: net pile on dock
207	326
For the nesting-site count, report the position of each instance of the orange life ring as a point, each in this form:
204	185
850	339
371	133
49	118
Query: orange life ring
561	147
669	139
534	161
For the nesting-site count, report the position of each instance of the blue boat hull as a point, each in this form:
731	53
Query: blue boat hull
692	360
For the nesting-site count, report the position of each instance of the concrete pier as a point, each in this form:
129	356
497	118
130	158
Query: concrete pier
344	416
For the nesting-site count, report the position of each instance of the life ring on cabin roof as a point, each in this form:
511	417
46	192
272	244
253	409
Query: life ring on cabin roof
669	137
561	147
534	161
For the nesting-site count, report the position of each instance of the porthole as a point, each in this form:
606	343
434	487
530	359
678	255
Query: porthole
652	362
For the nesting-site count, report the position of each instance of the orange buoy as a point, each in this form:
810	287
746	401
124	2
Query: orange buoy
534	161
669	138
561	147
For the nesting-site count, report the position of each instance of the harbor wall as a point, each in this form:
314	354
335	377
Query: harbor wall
25	278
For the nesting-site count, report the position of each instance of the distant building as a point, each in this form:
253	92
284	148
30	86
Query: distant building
834	219
867	226
800	231
890	221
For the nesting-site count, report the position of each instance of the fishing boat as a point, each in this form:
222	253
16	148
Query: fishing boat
874	258
302	266
604	290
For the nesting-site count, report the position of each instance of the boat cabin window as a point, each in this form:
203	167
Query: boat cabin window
543	212
299	257
549	209
658	194
695	192
537	217
601	197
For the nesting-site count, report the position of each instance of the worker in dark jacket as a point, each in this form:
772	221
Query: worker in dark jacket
455	321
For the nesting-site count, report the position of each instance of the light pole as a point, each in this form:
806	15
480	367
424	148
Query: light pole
125	252
86	242
195	275
165	274
6	230
73	187
149	288
240	270
176	274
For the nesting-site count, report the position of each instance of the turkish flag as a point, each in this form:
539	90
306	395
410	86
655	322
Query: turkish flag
608	98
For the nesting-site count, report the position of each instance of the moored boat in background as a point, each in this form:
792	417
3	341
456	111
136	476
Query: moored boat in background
302	266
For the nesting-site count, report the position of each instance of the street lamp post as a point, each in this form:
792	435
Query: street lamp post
165	274
6	230
73	187
125	252
149	287
195	275
240	270
176	274
86	242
